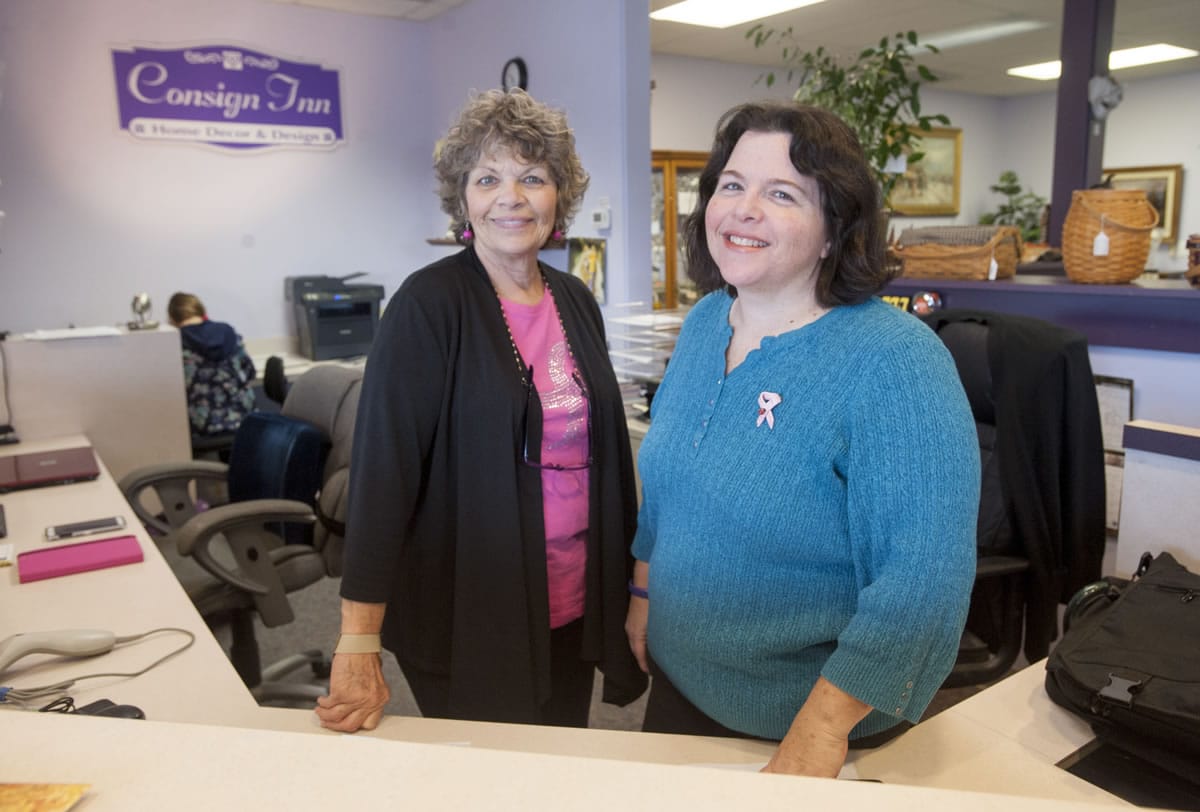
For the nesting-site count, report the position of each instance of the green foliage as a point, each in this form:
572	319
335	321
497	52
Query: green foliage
878	93
1020	208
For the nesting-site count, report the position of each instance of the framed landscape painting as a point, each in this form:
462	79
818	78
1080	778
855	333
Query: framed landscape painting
931	185
1162	185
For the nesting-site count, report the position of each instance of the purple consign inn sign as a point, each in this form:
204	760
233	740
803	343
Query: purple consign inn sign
226	96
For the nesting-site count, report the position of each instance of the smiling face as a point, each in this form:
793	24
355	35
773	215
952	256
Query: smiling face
764	224
511	206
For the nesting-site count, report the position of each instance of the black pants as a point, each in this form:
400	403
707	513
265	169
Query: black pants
669	711
570	683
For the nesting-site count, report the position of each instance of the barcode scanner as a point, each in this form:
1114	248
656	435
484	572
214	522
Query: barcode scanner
66	642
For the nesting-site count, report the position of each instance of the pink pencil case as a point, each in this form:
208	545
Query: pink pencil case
67	559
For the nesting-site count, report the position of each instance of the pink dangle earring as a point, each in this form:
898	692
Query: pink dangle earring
558	235
467	233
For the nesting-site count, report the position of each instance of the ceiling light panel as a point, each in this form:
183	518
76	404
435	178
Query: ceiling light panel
1125	58
981	33
723	13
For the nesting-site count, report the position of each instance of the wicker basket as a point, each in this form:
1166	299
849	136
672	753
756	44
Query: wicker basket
941	261
1127	219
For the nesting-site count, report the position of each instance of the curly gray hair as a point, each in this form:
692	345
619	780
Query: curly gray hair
513	120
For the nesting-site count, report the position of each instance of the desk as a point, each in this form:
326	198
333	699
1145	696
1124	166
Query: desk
296	365
223	751
1004	740
190	767
199	685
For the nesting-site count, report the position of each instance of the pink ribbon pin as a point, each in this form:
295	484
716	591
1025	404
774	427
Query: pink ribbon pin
766	402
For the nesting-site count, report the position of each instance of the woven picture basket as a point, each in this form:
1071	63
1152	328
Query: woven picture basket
941	261
1126	217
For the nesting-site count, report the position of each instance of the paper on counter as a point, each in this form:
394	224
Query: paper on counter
73	332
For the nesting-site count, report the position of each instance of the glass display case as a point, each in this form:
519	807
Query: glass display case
675	181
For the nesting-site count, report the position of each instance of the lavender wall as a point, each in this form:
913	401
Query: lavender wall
94	216
599	77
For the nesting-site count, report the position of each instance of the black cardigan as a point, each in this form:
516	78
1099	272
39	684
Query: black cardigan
1051	457
445	522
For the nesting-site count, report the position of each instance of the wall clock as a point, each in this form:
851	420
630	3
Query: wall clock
514	74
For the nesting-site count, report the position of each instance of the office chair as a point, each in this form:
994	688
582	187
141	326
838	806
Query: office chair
1041	513
212	446
274	380
280	531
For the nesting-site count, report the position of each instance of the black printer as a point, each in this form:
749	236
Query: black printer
334	319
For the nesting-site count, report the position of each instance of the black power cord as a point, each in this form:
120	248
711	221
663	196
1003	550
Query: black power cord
101	707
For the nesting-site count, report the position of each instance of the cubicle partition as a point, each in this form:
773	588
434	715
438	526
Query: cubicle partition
122	388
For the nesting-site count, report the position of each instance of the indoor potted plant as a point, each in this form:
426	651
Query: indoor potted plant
1020	208
878	94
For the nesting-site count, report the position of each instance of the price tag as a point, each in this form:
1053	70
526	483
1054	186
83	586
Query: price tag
1100	244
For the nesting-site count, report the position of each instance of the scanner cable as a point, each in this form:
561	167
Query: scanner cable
25	695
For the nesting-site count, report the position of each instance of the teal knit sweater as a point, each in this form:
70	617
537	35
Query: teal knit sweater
840	542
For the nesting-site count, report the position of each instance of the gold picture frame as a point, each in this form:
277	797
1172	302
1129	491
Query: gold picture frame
931	186
1163	186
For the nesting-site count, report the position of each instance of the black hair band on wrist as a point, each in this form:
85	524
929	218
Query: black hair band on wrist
637	592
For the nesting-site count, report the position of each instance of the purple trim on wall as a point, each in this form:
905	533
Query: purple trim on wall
1172	444
1150	314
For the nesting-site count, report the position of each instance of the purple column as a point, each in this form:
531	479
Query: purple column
1078	140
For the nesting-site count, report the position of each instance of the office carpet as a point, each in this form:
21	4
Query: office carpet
316	626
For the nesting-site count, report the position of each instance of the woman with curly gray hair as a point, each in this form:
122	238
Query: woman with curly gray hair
491	491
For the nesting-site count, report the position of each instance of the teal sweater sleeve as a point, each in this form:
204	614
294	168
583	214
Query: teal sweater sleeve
836	539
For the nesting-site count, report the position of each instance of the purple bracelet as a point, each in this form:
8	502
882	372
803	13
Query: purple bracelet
637	592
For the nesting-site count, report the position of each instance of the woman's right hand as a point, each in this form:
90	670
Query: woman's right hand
638	616
635	629
357	693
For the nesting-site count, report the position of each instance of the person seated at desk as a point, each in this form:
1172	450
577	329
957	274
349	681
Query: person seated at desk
216	369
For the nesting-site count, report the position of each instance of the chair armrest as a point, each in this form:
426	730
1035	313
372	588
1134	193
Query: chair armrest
241	524
170	482
994	566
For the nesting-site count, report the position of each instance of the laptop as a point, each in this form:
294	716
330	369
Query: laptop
39	470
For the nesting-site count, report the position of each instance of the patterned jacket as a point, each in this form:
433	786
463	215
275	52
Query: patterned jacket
218	375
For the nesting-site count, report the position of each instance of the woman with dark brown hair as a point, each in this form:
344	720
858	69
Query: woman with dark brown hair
810	478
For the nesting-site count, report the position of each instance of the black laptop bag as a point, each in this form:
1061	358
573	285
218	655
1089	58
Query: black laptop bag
1129	662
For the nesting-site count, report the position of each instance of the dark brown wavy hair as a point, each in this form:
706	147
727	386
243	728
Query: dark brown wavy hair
825	149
